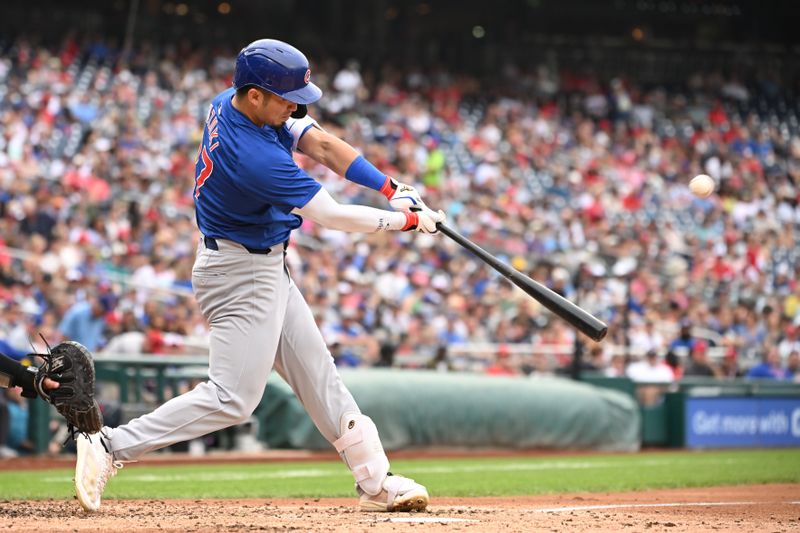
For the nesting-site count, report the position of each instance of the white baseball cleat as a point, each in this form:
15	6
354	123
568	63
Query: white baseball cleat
399	494
92	470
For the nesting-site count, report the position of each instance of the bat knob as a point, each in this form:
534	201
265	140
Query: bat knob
601	334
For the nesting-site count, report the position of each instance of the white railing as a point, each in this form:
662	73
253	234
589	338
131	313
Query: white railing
470	356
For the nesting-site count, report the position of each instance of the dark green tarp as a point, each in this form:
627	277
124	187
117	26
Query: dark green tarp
424	408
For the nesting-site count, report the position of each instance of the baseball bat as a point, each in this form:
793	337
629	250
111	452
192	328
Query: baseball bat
579	318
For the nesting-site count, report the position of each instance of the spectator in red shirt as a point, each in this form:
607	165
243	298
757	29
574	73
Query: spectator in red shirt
502	365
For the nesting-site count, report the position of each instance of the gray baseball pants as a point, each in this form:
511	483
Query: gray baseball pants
258	320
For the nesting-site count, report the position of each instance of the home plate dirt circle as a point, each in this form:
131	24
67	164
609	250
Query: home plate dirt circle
756	508
426	520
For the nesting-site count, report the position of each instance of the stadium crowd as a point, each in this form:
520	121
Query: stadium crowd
575	178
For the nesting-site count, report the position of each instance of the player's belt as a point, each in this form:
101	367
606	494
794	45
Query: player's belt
211	244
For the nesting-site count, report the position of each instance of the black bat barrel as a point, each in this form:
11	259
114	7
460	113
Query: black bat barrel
586	323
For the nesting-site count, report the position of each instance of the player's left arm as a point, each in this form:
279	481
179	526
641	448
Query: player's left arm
340	157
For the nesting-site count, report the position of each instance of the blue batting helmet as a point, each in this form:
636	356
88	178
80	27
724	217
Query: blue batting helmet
276	67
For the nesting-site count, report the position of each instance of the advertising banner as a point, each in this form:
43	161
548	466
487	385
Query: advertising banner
742	422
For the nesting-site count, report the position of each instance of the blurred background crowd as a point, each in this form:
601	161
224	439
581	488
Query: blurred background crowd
575	179
555	136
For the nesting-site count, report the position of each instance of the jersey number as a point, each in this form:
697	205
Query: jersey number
208	168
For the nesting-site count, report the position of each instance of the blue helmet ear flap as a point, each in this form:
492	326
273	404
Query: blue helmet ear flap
301	111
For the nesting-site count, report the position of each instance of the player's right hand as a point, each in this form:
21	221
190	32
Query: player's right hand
423	219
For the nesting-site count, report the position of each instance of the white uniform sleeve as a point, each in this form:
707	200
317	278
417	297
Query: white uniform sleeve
326	211
298	126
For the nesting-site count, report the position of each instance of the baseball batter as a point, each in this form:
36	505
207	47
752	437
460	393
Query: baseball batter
249	196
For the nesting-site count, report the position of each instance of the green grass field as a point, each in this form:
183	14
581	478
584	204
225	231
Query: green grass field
444	477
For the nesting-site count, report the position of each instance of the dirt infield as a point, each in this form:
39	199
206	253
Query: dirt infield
761	508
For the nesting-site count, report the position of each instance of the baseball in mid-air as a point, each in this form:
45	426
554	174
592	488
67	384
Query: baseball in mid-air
702	185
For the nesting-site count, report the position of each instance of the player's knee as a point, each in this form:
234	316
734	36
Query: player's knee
237	408
361	447
237	413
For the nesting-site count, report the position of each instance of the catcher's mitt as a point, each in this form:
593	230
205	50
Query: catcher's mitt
70	364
